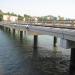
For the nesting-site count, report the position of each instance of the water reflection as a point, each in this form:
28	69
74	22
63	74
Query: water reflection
19	57
53	65
72	62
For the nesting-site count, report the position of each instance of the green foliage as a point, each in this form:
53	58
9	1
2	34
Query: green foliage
13	14
20	17
55	18
27	17
1	17
8	13
40	19
45	19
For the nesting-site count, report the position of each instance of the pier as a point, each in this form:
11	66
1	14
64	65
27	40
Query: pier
65	33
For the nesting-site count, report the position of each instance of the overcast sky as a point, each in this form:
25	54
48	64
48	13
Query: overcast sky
64	8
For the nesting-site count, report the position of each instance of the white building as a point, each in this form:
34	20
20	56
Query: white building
5	17
10	18
35	19
24	19
13	18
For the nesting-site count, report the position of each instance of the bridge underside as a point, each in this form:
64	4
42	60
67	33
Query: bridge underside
67	35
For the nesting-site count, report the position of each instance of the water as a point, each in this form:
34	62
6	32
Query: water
18	57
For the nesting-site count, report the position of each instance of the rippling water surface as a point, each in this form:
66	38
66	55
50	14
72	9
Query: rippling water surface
18	57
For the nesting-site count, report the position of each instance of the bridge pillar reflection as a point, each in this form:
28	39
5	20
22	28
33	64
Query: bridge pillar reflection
72	62
55	41
2	27
35	41
6	29
21	35
9	29
13	31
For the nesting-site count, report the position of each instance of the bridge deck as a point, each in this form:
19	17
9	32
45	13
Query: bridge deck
65	32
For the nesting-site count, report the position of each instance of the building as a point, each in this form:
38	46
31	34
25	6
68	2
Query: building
60	18
13	18
10	18
34	19
5	17
50	17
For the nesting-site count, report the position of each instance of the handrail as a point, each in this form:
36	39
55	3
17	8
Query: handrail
46	23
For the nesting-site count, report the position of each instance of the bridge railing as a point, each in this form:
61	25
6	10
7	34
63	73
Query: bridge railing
46	23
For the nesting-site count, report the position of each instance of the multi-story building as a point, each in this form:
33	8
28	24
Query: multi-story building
10	18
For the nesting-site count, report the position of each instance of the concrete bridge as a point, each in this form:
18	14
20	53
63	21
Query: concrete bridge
65	32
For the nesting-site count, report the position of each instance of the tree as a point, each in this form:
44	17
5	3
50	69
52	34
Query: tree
27	17
13	14
1	17
40	19
20	17
1	12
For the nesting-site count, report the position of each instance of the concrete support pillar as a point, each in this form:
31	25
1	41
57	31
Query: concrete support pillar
9	30
6	29
72	62
21	35
1	27
55	41
13	31
35	41
25	33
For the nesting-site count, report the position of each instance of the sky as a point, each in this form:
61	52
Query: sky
56	8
